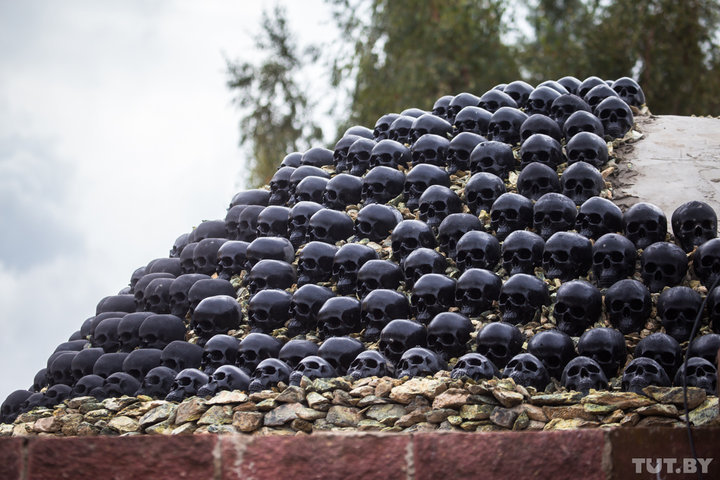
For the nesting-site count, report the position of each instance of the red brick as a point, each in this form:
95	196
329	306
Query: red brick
120	458
333	456
665	443
510	455
11	458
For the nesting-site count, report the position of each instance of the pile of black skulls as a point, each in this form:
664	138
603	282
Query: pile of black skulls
438	240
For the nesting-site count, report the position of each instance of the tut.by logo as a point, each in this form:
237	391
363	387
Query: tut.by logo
671	465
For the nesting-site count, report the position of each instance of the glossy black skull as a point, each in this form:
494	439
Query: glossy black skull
301	173
400	129
509	213
157	295
82	364
564	106
139	362
370	363
382	184
554	349
59	371
119	384
12	405
268	374
495	100
255	348
567	256
587	84
205	255
460	101
700	374
105	335
599	93
270	274
186	384
317	157
577	307
440	107
253	197
587	147
269	248
628	305
247	222
706	262
598	216
540	124
541	100
137	275
630	91
273	221
179	355
109	363
213	315
205	288
505	125
421	262
315	262
642	372
376	221
519	91
329	226
482	190
570	83
606	346
472	120
453	227
123	302
380	307
232	260
432	294
295	350
582	374
448	334
522	252
227	377
341	151
232	224
410	235
358	156
419	179
527	370
662	348
477	250
340	352
391	154
582	121
475	366
459	150
141	286
312	367
693	224
581	181
429	124
280	186
614	258
543	149
499	342
615	115
268	310
85	386
304	306
521	298
399	336
299	222
208	229
347	262
381	129
375	274
678	307
663	264
431	149
339	316
536	180
419	362
157	382
553	213
705	346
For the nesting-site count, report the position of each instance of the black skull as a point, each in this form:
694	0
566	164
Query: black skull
122	302
139	362
505	125
521	298
304	306
399	336
475	366
156	331
642	372
606	346
629	90
247	222
432	294
178	245
119	384
448	334
382	184
380	307
268	310
329	226
210	287
460	101
179	355
299	221
269	248
628	305
599	93
205	255
83	363
509	213
255	348
341	151
615	115
581	181
339	316
273	221
705	346
440	107
109	363
419	179
317	157
663	265
582	121
519	91
567	256
495	100
419	362
232	224
312	367
340	352
410	235
270	274
536	180
522	252
614	258
570	83
59	371
295	350
540	124
358	156
253	197
391	154
268	374
227	377
499	342
157	382
693	224
85	386
458	153
421	262
598	216
157	295
477	250
346	263
400	129
564	106
587	85
582	374
301	173
232	260
492	157
186	384
553	213
578	306
431	149
554	349
315	262
700	373
375	222
472	120
482	190
213	315
279	187
382	127
375	274
453	227
527	370
587	147
706	262
208	229
429	124
105	335
370	363
141	286
12	405
543	149
678	307
662	348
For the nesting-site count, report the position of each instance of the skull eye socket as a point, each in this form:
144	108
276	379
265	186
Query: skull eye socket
510	214
561	308
184	381
636	305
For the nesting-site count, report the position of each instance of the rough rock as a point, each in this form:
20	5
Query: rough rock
674	395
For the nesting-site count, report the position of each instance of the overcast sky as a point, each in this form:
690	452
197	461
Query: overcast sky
116	136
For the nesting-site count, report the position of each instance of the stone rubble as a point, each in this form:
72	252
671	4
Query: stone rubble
372	404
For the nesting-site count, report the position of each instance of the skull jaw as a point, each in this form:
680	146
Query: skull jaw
573	327
627	324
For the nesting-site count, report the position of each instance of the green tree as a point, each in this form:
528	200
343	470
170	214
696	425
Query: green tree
404	53
277	114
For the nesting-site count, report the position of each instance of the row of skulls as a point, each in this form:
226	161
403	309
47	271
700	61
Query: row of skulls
295	246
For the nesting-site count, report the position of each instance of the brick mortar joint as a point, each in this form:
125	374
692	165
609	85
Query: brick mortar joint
606	457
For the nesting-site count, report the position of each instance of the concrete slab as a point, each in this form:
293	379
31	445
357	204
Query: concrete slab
677	160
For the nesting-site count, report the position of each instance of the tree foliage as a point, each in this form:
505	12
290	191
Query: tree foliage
276	110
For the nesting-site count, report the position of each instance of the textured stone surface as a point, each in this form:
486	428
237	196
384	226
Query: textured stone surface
674	395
